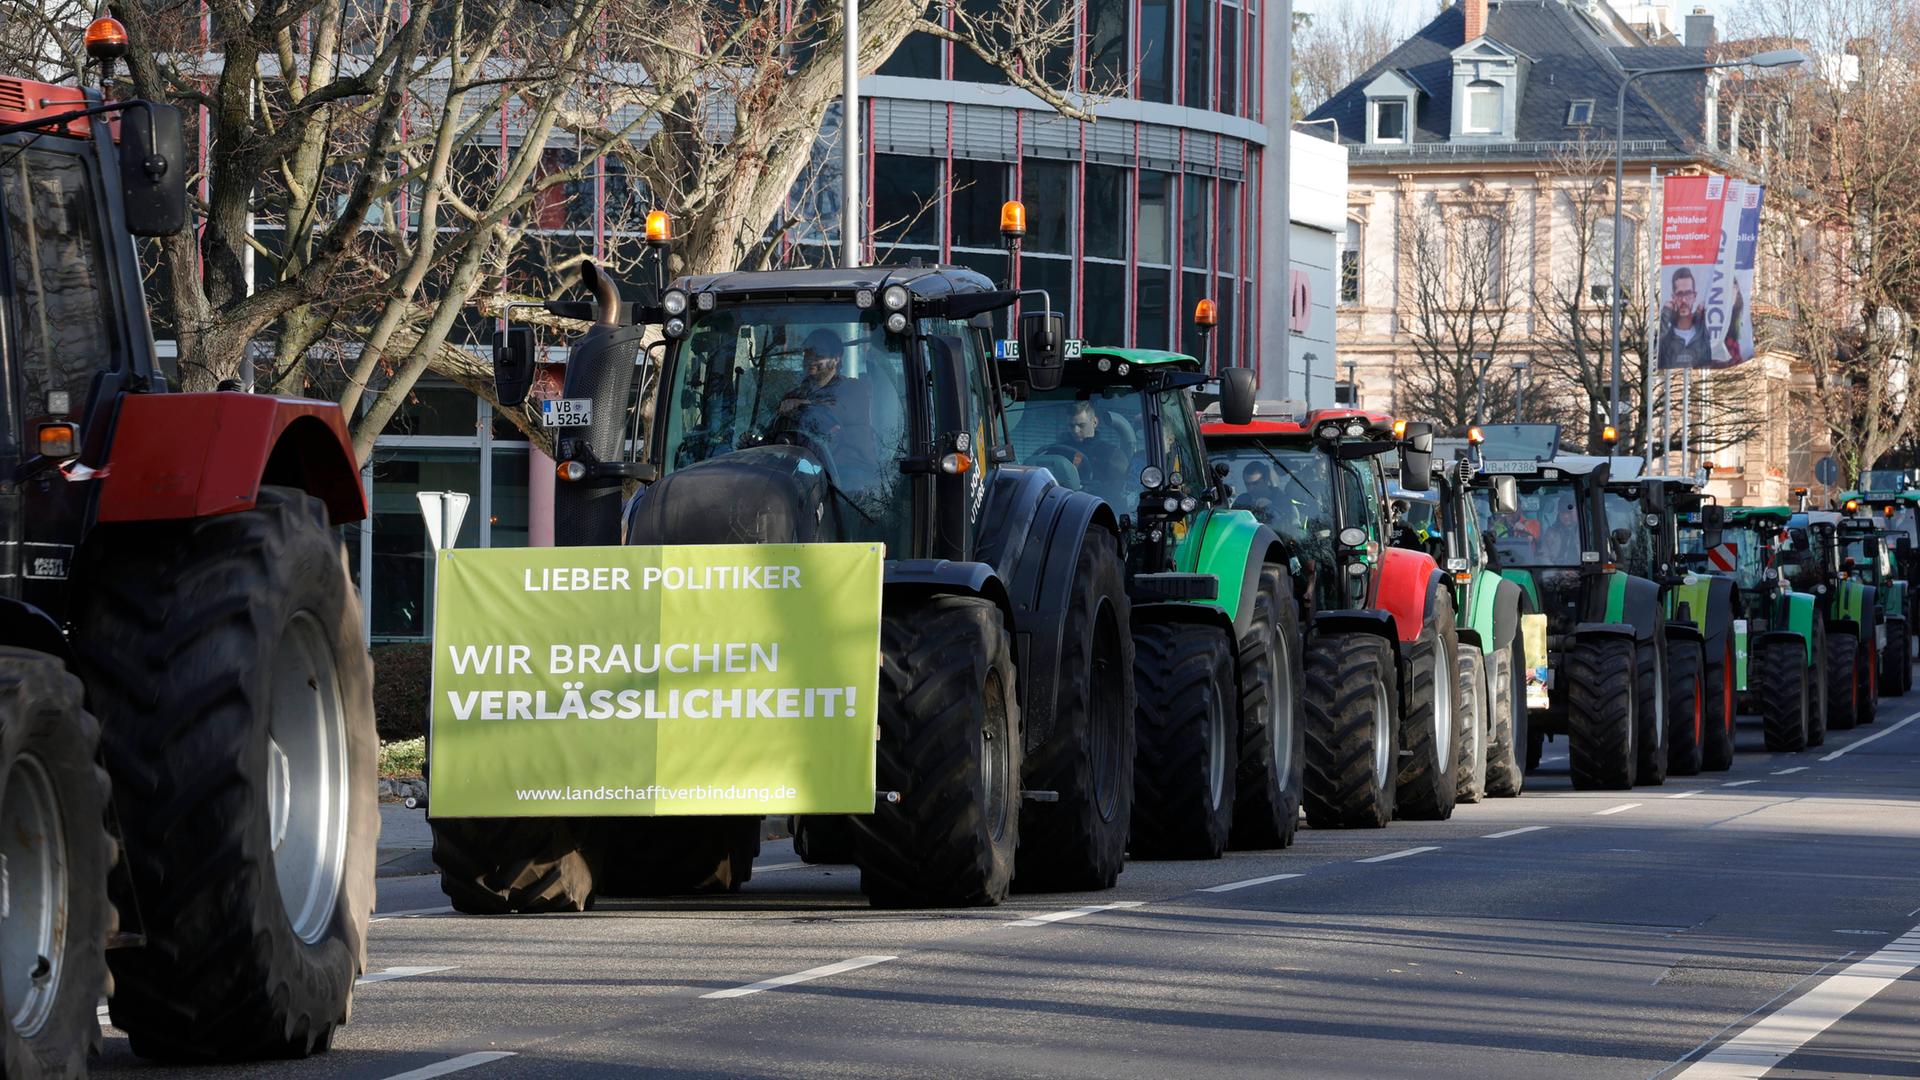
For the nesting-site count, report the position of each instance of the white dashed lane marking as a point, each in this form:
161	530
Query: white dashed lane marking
453	1065
1621	809
1249	883
1513	832
1392	855
1075	913
808	975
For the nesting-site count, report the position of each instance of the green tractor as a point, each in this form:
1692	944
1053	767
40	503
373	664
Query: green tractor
1604	684
1443	522
1216	630
1850	609
1865	557
858	404
1382	645
1780	639
1890	498
1700	614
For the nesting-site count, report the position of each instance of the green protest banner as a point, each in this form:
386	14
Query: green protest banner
641	681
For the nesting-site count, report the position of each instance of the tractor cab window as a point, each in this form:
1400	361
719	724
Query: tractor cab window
1855	559
1180	439
1544	530
1286	490
1090	439
61	308
1637	554
1801	558
1750	569
824	377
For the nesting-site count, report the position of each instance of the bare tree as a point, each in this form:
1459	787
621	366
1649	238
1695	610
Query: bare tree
1335	46
383	174
1843	265
1458	298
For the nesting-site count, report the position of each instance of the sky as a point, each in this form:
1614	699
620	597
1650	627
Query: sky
1412	14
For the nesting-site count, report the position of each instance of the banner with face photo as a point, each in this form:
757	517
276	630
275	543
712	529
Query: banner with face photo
1729	305
1690	233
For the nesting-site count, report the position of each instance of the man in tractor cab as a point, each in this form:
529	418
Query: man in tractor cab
1100	461
832	409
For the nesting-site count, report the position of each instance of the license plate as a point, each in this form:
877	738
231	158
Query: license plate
566	412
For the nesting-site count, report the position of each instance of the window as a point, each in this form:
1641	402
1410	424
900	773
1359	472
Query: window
1195	215
1197	87
1350	265
1053	275
1481	258
1389	121
967	65
1152	298
1047	189
1107	212
1227	245
1600	257
1105	323
918	57
1229	60
1182	442
60	307
1484	103
906	200
979	187
1580	113
1155	218
1156	40
1343	393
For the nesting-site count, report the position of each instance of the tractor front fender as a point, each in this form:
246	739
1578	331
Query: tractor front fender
1358	621
1803	642
178	456
1169	612
927	577
1685	631
23	626
1495	617
1640	607
1408	582
1708	604
1621	631
1233	546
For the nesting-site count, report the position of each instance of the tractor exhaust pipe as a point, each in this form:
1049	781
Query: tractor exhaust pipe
600	367
605	288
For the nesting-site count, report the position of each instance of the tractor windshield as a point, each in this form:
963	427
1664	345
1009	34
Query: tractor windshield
1089	439
1883	481
1856	559
1802	561
1543	531
1750	544
825	377
1626	515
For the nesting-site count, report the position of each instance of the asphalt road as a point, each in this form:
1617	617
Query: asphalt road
1742	924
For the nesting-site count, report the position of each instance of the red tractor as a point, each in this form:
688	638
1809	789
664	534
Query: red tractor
187	747
1385	711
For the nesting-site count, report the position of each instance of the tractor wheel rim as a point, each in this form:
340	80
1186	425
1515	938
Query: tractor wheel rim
1105	715
1280	734
307	778
996	746
33	922
1445	671
1382	734
1216	748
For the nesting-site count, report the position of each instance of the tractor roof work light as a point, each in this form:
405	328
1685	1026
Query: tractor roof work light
106	38
1609	435
1013	221
1399	429
1206	314
1476	436
1852	505
659	228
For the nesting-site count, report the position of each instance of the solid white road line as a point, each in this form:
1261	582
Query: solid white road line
1739	783
778	866
1748	1055
1513	832
1790	772
1621	809
1388	857
1858	743
1062	916
393	973
1686	794
453	1065
1249	883
801	976
1554	758
382	916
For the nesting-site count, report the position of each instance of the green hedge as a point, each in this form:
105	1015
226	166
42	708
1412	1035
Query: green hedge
402	679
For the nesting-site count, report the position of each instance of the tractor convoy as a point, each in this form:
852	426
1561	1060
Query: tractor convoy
1112	623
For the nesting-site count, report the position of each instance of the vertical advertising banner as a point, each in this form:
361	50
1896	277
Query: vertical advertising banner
1730	310
642	681
1689	257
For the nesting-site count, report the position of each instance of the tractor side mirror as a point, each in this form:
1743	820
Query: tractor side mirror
1621	537
1416	457
1236	395
153	169
1506	494
1041	335
512	365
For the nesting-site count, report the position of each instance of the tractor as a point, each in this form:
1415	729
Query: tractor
187	743
1605	682
1443	522
1849	610
1382	645
860	404
1780	640
1215	626
1866	556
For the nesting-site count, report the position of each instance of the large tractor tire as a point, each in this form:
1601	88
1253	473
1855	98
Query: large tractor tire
1079	841
56	851
1817	688
822	839
225	661
499	866
1186	757
1843	681
1686	709
1474	720
950	745
674	856
1266	809
1780	676
1716	753
1650	706
1353	731
1507	700
1897	671
1603	725
1429	739
1867	670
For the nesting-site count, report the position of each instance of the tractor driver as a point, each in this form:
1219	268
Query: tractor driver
831	409
1095	455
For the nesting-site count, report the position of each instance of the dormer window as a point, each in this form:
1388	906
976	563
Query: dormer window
1485	102
1580	113
1390	121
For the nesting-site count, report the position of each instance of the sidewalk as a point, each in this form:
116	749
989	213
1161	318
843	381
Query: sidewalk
406	843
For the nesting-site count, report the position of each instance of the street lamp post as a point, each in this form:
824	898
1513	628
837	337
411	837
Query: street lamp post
1770	59
1481	362
850	134
1519	389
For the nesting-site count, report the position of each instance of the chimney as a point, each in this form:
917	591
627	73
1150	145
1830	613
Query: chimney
1476	11
1700	33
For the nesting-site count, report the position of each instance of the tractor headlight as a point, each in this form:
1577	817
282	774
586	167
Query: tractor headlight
1356	569
1171	505
1187	504
704	301
674	303
1353	537
1356	429
895	298
863	299
1151	477
675	327
897	322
